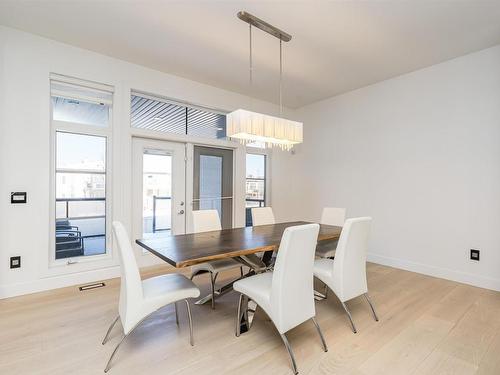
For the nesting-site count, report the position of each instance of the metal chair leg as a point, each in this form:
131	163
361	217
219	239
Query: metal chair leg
371	305
108	365
191	339
238	316
109	330
176	314
290	353
350	317
325	348
212	286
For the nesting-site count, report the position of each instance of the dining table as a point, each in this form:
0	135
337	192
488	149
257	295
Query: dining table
251	246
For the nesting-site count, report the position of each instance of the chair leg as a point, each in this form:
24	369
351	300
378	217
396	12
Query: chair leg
325	348
241	271
108	365
350	317
109	330
371	305
176	314
190	318
290	353
238	316
212	286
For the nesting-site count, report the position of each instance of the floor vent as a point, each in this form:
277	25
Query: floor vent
91	286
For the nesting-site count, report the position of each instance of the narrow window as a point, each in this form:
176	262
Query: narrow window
255	184
81	117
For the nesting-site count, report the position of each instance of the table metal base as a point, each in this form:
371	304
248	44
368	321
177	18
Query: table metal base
257	265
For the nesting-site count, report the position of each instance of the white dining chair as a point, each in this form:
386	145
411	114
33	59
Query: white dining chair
345	275
140	298
330	216
262	216
206	221
286	294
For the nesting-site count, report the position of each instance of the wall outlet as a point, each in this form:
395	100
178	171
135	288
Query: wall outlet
474	254
15	262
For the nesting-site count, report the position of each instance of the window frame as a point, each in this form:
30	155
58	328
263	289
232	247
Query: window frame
88	130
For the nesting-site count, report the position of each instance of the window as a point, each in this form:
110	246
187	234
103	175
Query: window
81	118
255	195
162	116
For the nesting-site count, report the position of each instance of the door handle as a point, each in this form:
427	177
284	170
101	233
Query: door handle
181	212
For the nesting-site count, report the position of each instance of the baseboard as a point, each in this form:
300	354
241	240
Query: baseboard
443	273
56	282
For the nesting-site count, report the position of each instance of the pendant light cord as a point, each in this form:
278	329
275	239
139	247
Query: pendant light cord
250	55
281	78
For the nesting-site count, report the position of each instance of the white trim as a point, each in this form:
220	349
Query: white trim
441	272
182	138
77	82
82	264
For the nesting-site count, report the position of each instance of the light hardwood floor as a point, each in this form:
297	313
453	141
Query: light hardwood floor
427	326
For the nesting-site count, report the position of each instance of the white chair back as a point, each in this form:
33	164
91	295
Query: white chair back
292	295
262	216
206	221
349	264
333	216
131	285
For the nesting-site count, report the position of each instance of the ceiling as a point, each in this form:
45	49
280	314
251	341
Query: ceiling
336	46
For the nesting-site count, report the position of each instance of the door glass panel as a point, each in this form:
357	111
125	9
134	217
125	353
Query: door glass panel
213	182
156	193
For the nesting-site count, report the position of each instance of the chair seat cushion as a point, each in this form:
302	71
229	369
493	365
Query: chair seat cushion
216	266
258	289
168	288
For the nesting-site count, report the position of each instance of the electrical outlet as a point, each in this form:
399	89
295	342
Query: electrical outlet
474	254
15	262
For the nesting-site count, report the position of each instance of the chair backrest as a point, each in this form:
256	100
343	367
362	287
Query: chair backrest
333	216
292	295
206	221
262	216
131	285
349	264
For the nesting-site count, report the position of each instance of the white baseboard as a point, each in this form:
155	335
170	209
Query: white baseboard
443	273
56	282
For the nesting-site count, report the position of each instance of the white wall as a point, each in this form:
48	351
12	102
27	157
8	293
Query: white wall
25	63
420	154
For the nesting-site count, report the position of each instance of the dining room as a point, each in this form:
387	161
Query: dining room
241	187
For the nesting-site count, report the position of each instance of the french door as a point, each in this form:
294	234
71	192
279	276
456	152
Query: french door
159	188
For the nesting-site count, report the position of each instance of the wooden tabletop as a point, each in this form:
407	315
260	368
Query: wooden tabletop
187	249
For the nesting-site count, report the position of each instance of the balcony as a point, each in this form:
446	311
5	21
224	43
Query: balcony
80	227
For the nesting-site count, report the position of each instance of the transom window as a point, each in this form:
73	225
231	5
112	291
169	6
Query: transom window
160	115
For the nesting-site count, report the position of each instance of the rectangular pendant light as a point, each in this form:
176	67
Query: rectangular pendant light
248	127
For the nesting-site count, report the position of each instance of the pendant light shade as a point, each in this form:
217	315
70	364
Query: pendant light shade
250	127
